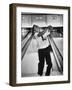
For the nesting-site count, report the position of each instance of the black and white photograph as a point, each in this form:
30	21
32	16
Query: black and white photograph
41	45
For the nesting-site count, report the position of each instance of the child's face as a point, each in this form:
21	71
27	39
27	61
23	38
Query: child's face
36	29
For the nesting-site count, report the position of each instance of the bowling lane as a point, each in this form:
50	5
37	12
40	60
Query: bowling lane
59	44
29	65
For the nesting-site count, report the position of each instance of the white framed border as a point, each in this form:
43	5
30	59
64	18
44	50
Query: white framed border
63	77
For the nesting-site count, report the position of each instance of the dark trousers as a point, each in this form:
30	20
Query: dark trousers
44	54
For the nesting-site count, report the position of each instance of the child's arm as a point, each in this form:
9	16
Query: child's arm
45	36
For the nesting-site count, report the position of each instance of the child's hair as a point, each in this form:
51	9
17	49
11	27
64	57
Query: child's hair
35	26
33	29
50	27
